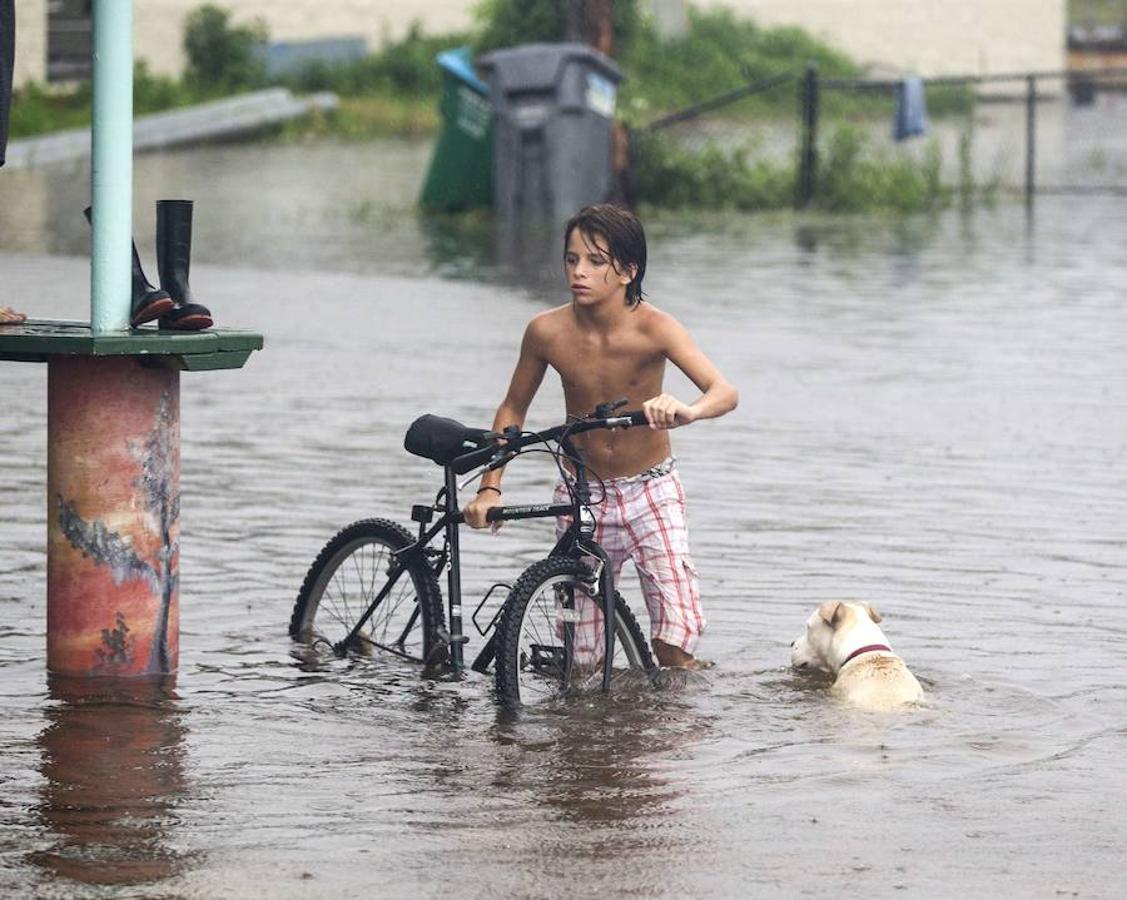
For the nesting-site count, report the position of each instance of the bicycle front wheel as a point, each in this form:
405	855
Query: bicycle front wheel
344	580
550	638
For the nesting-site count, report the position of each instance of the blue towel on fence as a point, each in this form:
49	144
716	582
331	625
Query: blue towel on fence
910	118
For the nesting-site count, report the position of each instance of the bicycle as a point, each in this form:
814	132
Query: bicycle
355	600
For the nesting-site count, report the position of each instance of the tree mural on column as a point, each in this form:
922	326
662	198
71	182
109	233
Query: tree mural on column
158	491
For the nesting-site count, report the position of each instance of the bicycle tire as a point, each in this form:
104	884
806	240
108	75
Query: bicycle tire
336	592
531	664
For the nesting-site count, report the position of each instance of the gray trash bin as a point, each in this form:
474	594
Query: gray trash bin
553	114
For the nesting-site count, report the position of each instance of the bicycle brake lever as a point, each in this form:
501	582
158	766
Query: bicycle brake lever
605	409
501	458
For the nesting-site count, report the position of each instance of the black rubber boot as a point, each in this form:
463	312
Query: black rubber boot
174	253
147	302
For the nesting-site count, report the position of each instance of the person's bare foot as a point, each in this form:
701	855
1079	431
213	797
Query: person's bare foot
674	657
9	316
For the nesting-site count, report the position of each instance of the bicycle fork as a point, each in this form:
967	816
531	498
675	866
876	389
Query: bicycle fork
585	541
606	588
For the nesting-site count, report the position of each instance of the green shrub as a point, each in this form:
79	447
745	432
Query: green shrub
153	93
37	111
505	23
404	67
720	52
666	175
221	56
852	177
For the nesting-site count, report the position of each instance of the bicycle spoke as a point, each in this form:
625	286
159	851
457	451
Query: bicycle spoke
349	576
551	638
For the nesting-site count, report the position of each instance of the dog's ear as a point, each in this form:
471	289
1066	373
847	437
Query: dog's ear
873	614
831	612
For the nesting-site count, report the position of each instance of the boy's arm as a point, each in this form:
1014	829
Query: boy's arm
527	376
718	395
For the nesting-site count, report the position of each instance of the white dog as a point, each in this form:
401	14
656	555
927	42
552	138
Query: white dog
845	640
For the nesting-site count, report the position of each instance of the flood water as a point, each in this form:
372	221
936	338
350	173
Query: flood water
933	419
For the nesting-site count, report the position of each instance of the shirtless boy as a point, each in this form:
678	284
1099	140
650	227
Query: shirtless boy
605	344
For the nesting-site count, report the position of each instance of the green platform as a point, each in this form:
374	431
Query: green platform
195	351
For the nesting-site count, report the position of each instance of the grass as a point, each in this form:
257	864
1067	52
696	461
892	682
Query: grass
669	176
852	177
1090	13
720	52
370	116
374	114
36	110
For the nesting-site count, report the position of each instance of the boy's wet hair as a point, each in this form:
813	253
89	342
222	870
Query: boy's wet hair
624	237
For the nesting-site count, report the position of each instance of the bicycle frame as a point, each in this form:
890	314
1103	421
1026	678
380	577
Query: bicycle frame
579	538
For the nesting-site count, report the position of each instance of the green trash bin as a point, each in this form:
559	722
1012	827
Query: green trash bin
461	170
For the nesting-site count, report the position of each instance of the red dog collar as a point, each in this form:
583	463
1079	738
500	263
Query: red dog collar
868	648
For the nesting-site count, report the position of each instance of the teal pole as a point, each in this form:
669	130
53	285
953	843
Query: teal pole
111	166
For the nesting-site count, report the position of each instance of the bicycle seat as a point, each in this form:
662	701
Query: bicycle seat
442	440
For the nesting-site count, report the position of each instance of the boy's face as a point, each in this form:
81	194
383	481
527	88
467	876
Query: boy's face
590	270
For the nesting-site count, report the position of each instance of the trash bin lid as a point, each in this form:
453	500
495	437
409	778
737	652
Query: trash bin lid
459	64
537	67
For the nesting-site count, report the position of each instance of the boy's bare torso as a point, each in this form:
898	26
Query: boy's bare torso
623	358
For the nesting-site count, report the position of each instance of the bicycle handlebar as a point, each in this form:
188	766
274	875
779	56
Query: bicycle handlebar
504	448
499	454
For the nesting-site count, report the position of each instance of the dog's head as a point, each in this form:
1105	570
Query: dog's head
831	630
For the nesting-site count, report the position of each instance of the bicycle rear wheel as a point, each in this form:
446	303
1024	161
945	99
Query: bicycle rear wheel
550	636
347	575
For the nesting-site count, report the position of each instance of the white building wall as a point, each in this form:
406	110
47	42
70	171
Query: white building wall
159	24
928	37
31	42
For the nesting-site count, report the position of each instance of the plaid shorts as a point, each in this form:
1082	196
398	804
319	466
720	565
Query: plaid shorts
642	518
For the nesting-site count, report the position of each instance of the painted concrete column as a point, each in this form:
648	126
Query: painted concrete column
113	510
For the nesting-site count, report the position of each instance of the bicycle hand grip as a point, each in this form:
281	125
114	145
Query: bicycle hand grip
636	417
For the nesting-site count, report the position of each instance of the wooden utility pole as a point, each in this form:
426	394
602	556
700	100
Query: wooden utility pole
592	22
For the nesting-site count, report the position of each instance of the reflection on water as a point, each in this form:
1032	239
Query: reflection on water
113	769
589	760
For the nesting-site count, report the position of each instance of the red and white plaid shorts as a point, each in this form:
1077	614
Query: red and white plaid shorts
642	518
